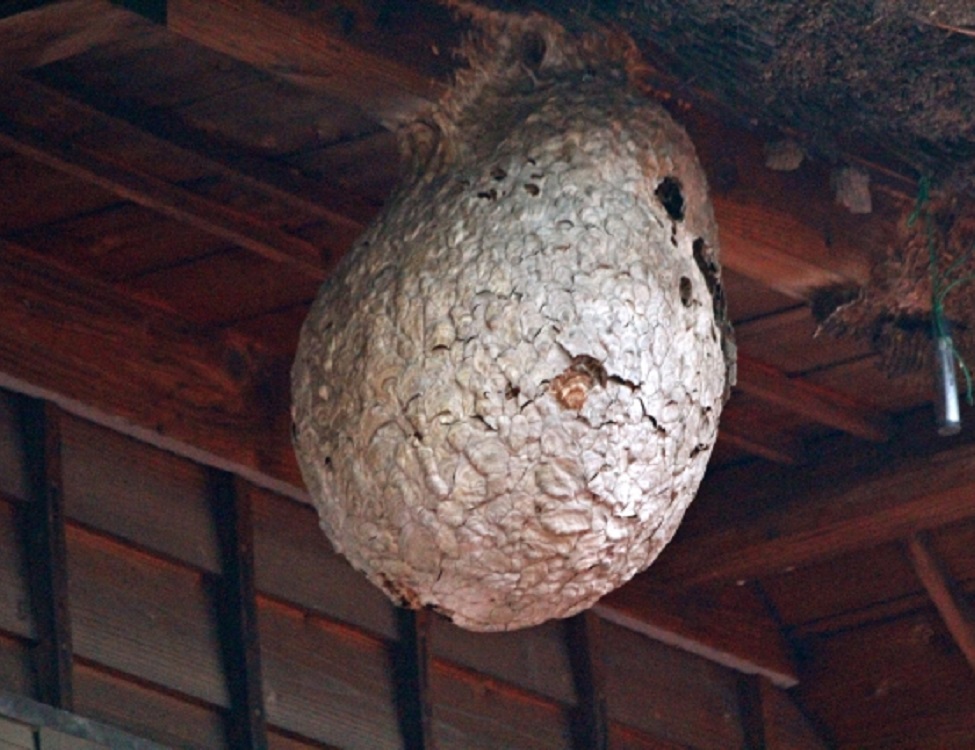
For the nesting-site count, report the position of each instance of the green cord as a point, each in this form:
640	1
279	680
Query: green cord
940	286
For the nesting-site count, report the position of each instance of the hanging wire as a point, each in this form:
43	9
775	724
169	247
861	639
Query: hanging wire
947	354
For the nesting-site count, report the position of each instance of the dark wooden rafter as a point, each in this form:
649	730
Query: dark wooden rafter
954	608
159	195
391	91
412	669
821	511
86	347
46	553
586	654
247	720
751	712
728	625
813	402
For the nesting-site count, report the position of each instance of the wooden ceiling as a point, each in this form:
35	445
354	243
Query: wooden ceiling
176	182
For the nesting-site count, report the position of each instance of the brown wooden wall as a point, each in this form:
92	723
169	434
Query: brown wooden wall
144	566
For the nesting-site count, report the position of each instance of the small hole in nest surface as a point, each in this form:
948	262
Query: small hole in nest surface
491	195
498	173
669	194
686	290
533	49
531	188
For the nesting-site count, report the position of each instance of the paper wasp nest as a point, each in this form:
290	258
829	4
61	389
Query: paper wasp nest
506	397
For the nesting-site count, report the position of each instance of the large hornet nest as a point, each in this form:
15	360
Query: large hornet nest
506	397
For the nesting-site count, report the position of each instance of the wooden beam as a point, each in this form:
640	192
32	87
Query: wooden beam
838	504
727	625
154	193
36	714
98	355
237	603
412	671
586	655
46	555
58	30
751	712
786	451
314	57
813	402
956	611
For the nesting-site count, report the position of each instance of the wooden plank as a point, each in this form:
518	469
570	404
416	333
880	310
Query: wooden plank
122	600
851	582
13	466
58	726
957	613
786	727
16	673
535	660
158	716
264	36
586	647
16	616
830	509
238	613
140	494
147	190
726	624
475	712
116	363
58	30
46	554
783	450
668	693
217	290
898	683
287	538
326	682
814	402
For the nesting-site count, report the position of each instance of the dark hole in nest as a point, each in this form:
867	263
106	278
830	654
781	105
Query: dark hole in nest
533	50
686	290
669	194
531	188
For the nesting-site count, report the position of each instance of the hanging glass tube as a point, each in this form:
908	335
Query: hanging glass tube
946	399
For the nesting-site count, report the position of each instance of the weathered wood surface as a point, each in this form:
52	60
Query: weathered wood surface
815	403
326	682
121	601
725	624
156	715
951	603
534	659
786	728
668	693
149	498
273	39
895	684
13	467
15	611
475	712
16	675
821	512
46	34
97	353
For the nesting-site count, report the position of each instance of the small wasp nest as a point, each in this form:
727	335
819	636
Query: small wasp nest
506	397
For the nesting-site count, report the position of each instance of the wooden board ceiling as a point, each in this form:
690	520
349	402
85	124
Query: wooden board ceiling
175	185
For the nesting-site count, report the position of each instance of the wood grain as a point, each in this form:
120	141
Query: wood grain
954	608
114	361
822	513
274	40
668	693
727	624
